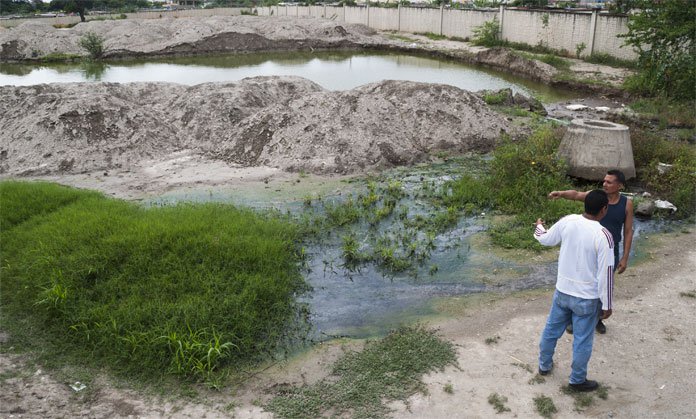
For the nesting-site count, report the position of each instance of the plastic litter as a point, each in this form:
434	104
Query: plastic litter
665	205
78	386
576	107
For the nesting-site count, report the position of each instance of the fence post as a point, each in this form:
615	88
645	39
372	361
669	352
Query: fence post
593	29
398	21
324	11
368	14
442	14
502	16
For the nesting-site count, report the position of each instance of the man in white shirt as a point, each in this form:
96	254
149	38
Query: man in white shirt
584	287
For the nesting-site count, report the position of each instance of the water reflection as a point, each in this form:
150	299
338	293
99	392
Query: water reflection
332	70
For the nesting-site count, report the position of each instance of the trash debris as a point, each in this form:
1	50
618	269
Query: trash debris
602	108
78	386
663	168
576	107
665	205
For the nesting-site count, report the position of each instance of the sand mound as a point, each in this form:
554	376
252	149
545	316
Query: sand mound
285	122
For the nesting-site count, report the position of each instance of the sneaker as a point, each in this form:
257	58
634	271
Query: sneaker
542	372
587	385
569	329
601	328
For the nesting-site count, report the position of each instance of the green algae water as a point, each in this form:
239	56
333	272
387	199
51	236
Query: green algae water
331	70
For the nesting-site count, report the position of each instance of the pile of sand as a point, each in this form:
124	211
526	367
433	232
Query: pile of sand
284	122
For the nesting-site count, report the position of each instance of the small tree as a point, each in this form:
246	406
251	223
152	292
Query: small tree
93	44
487	34
664	34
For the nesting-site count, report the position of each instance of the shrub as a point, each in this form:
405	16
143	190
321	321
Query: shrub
93	44
487	34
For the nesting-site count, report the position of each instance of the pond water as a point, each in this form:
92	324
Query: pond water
331	70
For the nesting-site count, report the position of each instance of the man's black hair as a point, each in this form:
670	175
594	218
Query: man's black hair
619	176
595	200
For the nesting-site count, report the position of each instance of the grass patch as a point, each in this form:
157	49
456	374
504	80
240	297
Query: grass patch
185	290
492	340
584	400
447	388
537	379
498	402
555	61
433	36
362	382
544	405
689	294
521	175
610	60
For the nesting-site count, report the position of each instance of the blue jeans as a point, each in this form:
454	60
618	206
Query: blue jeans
583	314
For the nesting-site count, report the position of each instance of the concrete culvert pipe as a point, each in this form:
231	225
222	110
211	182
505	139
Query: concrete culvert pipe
591	147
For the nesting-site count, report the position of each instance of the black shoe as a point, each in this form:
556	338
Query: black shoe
542	372
588	385
601	328
569	329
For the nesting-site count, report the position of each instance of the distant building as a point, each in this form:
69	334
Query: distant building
190	3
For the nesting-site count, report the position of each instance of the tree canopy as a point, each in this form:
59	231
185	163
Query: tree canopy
664	34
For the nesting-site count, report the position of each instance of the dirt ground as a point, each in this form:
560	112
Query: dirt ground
645	359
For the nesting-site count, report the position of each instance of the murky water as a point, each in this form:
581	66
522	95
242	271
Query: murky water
369	301
332	70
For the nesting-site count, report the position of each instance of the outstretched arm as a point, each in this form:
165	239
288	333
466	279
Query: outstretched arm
570	194
627	237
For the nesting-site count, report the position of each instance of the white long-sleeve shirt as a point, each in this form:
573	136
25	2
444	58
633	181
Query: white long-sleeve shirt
586	262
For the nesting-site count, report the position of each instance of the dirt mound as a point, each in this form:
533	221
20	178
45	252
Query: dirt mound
215	34
384	124
83	126
285	122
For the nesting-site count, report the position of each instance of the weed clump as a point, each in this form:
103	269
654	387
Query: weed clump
498	402
93	43
184	290
544	405
389	369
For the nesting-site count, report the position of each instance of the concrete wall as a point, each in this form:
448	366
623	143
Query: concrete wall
355	15
420	20
459	23
557	30
606	40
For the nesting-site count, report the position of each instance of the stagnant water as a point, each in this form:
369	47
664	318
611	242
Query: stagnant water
369	301
331	70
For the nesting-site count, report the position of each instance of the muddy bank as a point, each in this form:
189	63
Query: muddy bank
185	36
288	123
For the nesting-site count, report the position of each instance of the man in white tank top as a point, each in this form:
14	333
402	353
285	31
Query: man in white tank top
584	286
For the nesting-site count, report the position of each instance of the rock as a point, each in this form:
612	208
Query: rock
530	104
645	209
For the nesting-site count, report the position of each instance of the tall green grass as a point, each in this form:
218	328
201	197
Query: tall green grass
185	289
521	175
